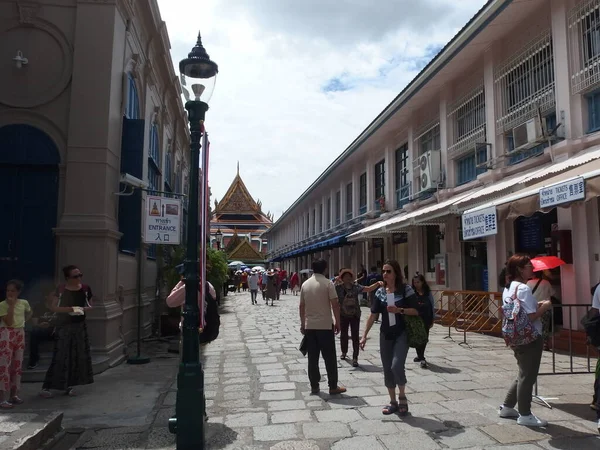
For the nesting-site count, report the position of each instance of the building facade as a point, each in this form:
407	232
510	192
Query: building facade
238	224
471	162
87	92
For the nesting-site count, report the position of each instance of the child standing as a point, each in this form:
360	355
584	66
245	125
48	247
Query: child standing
14	312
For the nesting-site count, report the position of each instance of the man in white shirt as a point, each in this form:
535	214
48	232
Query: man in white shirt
318	299
253	285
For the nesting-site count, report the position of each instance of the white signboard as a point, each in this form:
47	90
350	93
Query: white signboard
564	192
162	221
480	223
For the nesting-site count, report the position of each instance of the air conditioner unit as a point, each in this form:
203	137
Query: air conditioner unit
429	170
528	134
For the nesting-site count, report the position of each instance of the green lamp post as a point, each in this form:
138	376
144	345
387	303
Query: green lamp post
188	423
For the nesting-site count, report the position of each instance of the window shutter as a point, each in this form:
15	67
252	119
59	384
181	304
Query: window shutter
132	147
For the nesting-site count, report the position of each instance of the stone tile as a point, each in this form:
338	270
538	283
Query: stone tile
426	397
462	385
415	441
373	428
273	379
264	360
295	445
345	402
246	420
277	395
464	437
467	405
235	395
285	405
293	416
343	415
379	400
427	424
464	419
329	430
462	395
358	443
287	386
275	432
272	366
270	373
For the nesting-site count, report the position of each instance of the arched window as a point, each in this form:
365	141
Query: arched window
154	161
132	110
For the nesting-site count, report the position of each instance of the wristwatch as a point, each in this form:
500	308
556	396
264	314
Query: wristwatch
401	310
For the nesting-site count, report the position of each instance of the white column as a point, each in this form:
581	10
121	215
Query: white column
390	170
568	108
411	156
355	191
490	105
447	166
370	167
332	207
342	202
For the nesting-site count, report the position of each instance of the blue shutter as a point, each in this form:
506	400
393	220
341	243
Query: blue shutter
132	162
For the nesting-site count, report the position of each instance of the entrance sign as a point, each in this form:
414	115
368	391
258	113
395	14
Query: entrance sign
564	192
162	221
481	223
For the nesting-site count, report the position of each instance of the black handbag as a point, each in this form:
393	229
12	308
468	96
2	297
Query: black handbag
303	346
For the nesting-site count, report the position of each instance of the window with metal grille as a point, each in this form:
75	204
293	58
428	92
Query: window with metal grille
154	161
379	182
468	167
584	45
467	116
349	202
518	157
362	194
402	183
524	84
338	207
169	171
429	138
593	104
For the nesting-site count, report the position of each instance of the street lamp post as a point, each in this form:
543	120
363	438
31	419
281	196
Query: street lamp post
188	423
219	238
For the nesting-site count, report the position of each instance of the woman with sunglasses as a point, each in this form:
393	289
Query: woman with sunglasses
71	360
393	340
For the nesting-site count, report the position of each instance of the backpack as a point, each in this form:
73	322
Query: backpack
517	329
212	320
348	303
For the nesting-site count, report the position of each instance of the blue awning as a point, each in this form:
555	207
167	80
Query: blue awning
332	242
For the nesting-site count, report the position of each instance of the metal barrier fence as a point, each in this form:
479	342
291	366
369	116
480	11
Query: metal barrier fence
468	311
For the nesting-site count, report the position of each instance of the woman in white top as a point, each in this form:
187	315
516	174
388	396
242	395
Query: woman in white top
519	269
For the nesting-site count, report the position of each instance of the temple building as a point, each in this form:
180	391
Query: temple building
238	223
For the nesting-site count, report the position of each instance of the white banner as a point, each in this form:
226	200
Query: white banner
564	192
481	223
162	221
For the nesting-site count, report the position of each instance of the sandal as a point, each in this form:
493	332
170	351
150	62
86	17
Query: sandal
16	400
45	393
6	405
392	408
71	392
402	406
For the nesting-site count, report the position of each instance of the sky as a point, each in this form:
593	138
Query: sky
300	80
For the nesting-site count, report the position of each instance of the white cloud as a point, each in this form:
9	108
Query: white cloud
299	80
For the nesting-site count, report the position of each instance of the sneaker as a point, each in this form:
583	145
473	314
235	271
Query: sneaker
32	366
424	364
337	390
508	413
531	421
343	357
16	400
417	359
45	393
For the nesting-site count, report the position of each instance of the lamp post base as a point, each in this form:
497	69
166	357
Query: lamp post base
188	424
138	360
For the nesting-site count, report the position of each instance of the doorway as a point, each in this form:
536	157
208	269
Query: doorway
29	162
475	266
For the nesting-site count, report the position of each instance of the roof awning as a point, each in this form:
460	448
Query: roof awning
526	201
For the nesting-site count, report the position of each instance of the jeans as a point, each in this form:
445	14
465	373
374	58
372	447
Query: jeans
393	359
354	324
317	342
528	358
37	336
253	294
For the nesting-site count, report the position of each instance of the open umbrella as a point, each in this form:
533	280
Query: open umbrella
235	264
258	268
306	271
546	263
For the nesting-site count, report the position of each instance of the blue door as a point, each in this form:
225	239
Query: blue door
28	200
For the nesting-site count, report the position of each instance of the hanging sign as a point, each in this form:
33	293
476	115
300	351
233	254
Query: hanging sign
564	192
480	223
162	221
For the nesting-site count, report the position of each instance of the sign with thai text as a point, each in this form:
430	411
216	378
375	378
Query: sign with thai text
564	192
162	221
480	223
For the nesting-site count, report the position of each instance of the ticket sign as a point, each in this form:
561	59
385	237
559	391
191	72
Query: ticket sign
564	192
480	223
162	221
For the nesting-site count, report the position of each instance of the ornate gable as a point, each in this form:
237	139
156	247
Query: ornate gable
237	199
245	252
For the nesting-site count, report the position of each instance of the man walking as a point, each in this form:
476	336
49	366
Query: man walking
318	299
253	285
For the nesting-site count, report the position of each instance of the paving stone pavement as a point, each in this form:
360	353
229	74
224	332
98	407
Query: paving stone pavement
258	395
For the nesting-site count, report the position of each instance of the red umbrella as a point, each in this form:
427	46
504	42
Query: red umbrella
546	263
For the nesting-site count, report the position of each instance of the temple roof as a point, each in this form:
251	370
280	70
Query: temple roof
237	202
245	252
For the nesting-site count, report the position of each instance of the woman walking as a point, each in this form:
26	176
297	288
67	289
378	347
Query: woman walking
393	339
348	290
14	312
427	305
519	269
71	361
295	283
